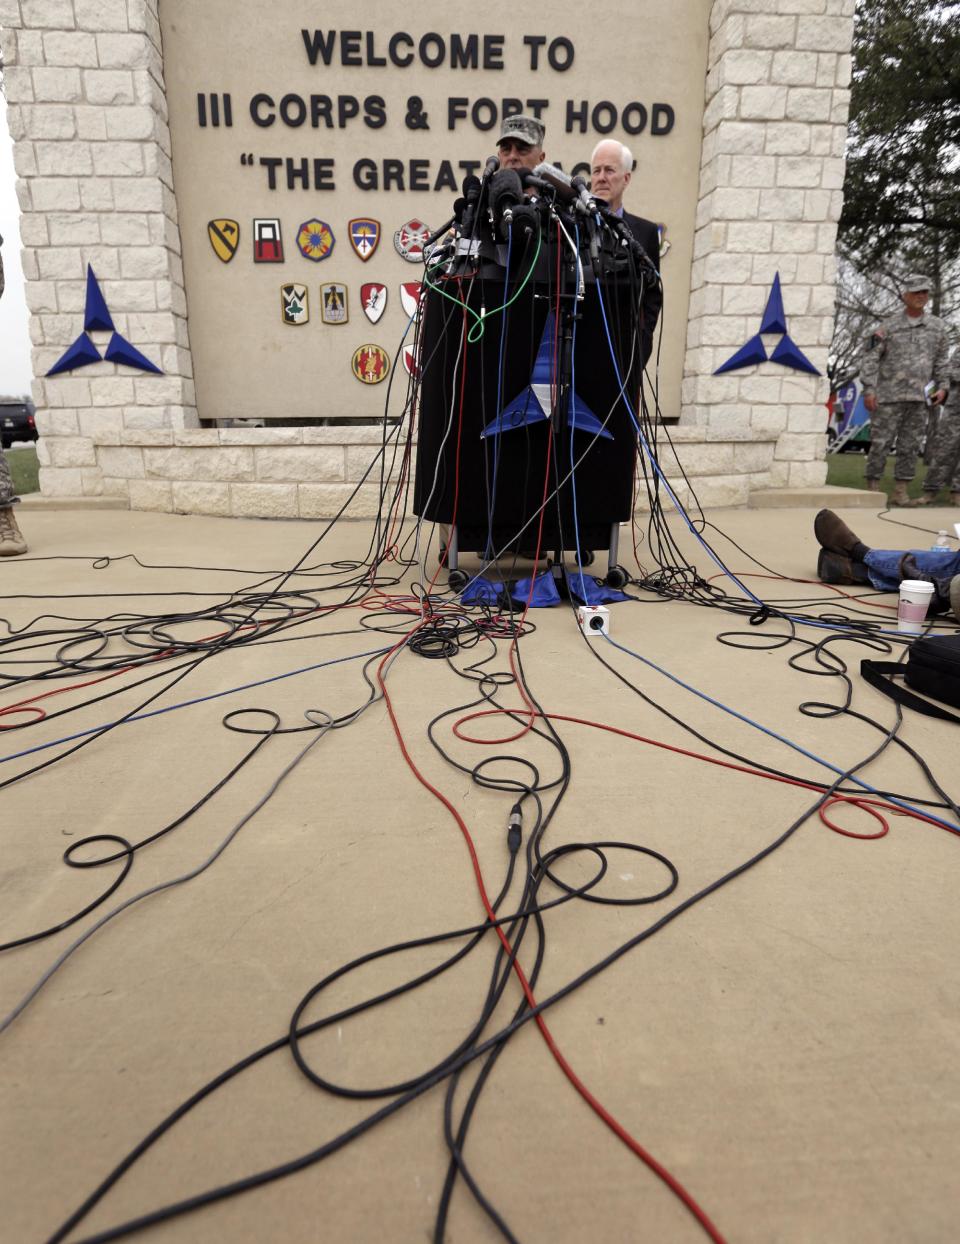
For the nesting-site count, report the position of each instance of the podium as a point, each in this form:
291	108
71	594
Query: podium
494	440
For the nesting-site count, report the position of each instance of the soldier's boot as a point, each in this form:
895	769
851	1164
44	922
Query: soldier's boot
955	498
12	543
899	494
927	497
873	485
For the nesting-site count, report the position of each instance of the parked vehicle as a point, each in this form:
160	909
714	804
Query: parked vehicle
16	422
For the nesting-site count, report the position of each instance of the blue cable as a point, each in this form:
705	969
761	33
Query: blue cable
492	499
780	737
571	398
216	695
826	626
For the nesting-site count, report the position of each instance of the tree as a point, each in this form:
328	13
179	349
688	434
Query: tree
902	187
901	210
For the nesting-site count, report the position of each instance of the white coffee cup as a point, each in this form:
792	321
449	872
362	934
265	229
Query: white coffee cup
915	597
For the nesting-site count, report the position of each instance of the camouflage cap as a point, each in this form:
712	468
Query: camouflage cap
916	282
523	129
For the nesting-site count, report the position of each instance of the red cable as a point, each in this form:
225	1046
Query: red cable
860	801
617	1128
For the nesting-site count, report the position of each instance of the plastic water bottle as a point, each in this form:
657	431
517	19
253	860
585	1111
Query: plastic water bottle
941	544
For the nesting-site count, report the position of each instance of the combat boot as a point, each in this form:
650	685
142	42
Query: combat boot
12	543
955	498
899	494
873	485
926	498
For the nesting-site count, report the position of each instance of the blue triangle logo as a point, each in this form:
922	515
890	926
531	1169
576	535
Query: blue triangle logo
119	350
534	403
774	320
97	318
80	354
787	352
753	352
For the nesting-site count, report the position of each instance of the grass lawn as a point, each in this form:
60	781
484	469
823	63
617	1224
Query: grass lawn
24	469
846	471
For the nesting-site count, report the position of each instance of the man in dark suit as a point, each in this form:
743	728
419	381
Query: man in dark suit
611	167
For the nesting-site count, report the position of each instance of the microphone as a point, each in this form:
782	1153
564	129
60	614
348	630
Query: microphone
491	166
472	188
458	207
586	200
506	193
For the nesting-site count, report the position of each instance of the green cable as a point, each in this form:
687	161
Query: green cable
482	318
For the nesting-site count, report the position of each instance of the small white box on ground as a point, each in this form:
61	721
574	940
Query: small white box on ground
594	620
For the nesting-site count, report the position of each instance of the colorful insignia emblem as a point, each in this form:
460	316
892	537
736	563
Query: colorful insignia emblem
315	239
224	237
410	298
364	236
373	299
662	237
334	300
267	242
410	362
410	240
294	304
370	364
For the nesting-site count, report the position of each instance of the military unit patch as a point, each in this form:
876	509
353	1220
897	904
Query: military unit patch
373	300
370	364
333	298
410	239
224	237
364	236
267	242
294	304
410	298
315	239
410	361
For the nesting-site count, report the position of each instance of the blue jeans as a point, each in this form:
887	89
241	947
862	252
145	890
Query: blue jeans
887	567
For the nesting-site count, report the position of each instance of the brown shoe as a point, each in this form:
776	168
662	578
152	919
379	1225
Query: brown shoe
899	495
834	568
834	535
955	498
12	543
925	498
873	485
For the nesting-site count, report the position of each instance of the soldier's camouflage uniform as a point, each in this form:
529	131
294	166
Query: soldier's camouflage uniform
6	483
903	356
944	469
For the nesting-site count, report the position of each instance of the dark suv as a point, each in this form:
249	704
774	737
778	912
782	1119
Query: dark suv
16	422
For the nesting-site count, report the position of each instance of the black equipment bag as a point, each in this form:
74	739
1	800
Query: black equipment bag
932	667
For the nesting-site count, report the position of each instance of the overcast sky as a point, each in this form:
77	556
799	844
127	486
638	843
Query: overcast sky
15	369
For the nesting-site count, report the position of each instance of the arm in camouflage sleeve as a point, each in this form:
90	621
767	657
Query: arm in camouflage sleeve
870	364
941	361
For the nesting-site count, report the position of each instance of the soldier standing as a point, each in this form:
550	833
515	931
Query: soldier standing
904	368
12	542
944	469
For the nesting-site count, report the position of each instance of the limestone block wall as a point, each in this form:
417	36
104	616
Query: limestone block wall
314	472
772	167
88	114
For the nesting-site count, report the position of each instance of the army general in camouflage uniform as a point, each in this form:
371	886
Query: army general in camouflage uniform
944	469
907	352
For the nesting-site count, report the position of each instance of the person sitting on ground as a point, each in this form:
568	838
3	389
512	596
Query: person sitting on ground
844	558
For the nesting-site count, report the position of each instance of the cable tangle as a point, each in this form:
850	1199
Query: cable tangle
493	730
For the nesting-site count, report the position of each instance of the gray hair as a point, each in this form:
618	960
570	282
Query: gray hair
626	155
